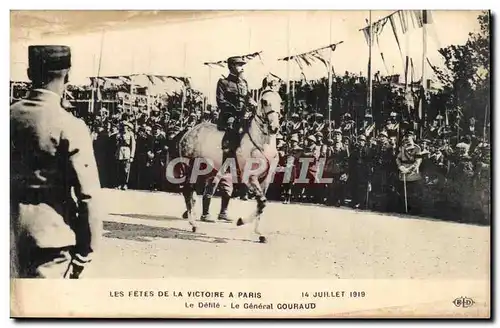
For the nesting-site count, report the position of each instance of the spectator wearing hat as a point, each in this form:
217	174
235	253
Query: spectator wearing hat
461	177
125	153
368	127
338	154
293	154
312	151
191	121
53	233
392	126
409	161
319	123
347	125
384	166
295	124
207	116
482	179
141	170
360	172
159	150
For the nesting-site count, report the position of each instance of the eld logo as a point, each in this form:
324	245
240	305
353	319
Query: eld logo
464	302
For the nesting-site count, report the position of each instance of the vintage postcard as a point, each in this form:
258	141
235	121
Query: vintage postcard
250	164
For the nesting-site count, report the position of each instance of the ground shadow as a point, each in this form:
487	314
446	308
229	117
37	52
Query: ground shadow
145	233
150	216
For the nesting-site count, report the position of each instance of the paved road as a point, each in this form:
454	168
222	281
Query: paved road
145	237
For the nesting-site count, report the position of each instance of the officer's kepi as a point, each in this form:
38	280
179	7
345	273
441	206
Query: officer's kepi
236	60
45	58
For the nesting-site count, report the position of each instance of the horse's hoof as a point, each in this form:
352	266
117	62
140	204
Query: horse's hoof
193	229
262	240
185	215
240	222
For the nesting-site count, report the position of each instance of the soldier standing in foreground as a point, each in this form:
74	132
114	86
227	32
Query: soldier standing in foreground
408	161
53	235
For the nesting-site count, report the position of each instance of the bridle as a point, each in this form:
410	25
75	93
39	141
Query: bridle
263	119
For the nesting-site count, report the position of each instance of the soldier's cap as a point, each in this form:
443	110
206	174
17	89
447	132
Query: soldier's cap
295	115
337	131
393	114
236	60
439	117
49	57
368	115
347	115
279	136
319	115
156	126
128	124
462	145
312	138
230	120
409	133
362	137
319	134
425	141
192	114
484	146
384	134
295	138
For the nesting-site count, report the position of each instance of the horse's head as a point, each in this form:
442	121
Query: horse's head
269	110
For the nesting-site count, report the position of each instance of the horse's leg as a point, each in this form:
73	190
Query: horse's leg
189	199
264	186
254	185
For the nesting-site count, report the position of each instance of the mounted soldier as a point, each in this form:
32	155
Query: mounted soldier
234	101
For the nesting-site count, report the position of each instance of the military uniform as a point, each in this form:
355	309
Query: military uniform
52	233
233	98
360	173
125	153
159	150
408	162
384	166
293	155
338	155
347	125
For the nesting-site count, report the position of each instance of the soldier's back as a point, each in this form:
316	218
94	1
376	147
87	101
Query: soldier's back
43	139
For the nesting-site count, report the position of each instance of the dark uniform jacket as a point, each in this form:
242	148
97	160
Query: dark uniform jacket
232	99
52	159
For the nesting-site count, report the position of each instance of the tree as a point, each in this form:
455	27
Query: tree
466	77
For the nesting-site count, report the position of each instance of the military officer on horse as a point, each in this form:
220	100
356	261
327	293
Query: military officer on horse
234	101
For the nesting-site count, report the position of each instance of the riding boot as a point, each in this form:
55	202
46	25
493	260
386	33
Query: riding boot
223	209
205	216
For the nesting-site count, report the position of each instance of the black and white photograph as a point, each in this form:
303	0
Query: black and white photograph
250	164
